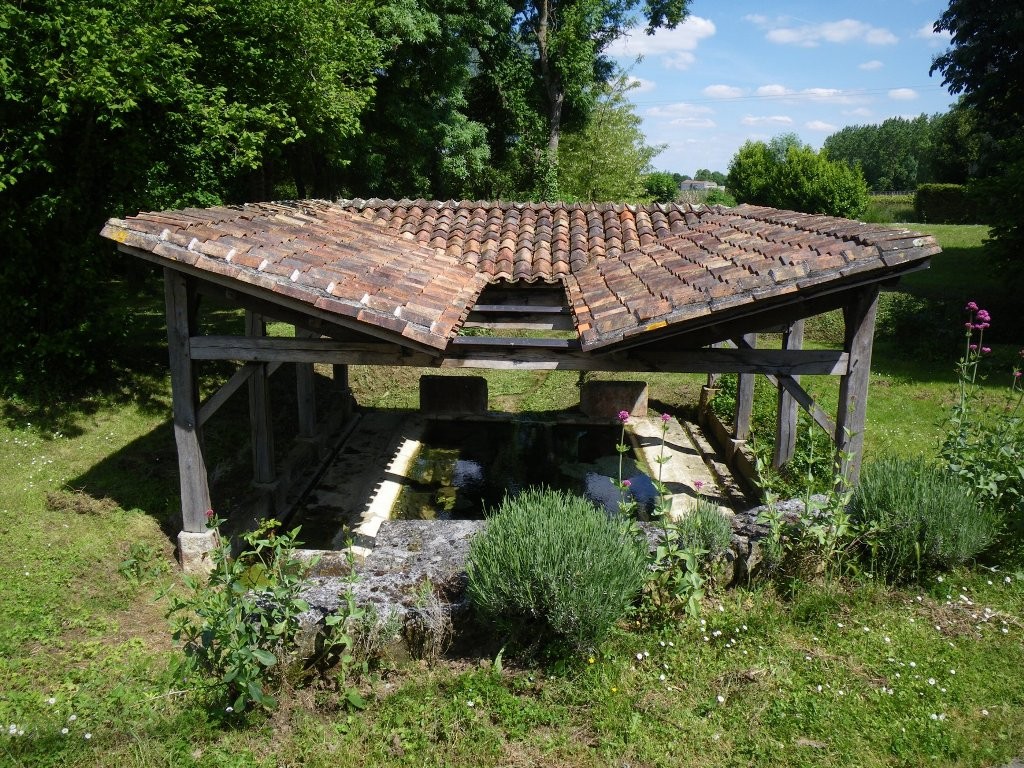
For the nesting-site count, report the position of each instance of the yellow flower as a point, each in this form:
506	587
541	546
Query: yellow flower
614	689
590	660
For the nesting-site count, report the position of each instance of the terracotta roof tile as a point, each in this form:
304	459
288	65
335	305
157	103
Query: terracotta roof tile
414	268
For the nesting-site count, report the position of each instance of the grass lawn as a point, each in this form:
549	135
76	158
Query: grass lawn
851	674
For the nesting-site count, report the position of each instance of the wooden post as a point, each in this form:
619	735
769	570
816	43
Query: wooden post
342	389
859	319
786	425
181	325
305	384
259	411
745	397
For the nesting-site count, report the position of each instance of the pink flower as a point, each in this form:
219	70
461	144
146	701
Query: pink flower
624	416
969	326
972	306
986	350
209	514
698	484
626	483
973	347
984	316
1017	374
666	418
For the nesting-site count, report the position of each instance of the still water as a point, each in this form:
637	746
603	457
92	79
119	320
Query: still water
466	467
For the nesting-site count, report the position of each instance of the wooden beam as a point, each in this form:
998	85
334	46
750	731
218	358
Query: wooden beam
859	318
520	309
786	422
192	475
745	396
305	390
792	386
558	355
260	417
520	322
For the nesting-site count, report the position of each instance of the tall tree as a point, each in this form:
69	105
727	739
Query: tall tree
985	63
568	40
608	158
109	106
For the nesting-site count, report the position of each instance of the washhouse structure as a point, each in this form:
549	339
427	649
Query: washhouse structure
656	288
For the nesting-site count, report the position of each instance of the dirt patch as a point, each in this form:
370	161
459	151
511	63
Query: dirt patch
79	502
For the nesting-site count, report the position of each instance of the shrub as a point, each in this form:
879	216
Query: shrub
551	569
919	518
945	204
705	528
239	626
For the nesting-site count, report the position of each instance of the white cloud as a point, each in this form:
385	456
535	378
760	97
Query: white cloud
681	60
723	91
902	94
830	95
858	112
867	66
674	46
767	120
927	32
756	18
680	109
639	85
819	125
693	122
843	31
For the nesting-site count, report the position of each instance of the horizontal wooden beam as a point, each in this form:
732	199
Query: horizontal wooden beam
537	354
553	322
520	309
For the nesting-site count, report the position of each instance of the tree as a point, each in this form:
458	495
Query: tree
788	174
567	40
608	159
984	63
703	174
894	155
109	106
661	187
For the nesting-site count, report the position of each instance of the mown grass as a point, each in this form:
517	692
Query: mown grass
82	614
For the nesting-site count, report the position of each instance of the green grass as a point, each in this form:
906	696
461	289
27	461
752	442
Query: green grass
84	481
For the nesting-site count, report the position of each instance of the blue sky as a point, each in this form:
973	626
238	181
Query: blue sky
739	70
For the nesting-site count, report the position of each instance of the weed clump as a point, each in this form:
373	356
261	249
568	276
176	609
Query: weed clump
919	519
552	570
705	528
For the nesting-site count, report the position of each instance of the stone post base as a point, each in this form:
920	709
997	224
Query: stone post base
195	551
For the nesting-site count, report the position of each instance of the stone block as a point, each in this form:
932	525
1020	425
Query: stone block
195	551
453	394
604	399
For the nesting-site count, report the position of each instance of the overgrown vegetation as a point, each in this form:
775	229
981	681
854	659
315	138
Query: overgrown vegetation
919	520
851	671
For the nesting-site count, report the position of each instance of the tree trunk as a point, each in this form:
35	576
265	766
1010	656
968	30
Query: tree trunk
552	82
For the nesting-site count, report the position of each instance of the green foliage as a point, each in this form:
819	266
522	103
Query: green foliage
704	527
983	63
703	174
719	197
983	448
919	519
894	156
661	186
607	159
890	209
786	174
945	204
552	569
114	106
241	626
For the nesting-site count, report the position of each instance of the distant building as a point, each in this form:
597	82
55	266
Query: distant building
699	186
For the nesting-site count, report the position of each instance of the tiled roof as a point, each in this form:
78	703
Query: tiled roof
319	254
416	268
527	241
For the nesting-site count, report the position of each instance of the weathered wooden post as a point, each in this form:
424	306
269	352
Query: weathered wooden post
195	541
744	401
859	320
786	424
